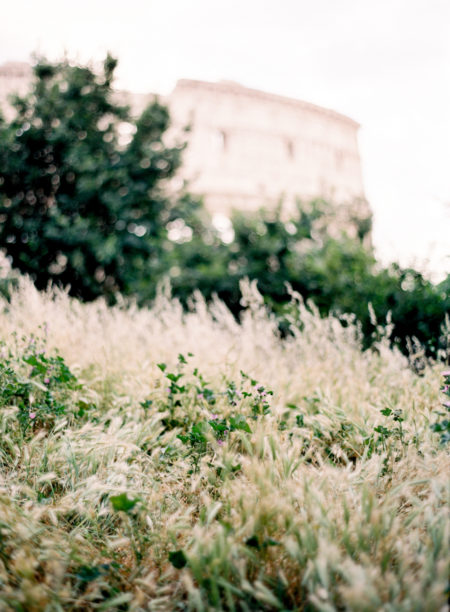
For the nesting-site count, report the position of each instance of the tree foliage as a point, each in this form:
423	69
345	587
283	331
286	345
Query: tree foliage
83	186
328	265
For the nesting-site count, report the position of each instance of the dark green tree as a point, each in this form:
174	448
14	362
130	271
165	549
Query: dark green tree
83	186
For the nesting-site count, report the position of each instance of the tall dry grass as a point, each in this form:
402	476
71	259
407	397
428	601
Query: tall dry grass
311	510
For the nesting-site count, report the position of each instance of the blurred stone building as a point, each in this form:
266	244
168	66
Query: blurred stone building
15	78
247	148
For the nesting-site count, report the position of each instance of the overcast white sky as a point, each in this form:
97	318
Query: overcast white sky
385	63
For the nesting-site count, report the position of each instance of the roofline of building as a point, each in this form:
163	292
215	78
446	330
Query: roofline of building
20	69
238	89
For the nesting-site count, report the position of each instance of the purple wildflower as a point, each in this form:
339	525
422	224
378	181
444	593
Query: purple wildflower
220	442
446	373
200	395
32	415
214	417
46	381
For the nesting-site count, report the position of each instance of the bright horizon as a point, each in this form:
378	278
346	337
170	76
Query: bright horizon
385	64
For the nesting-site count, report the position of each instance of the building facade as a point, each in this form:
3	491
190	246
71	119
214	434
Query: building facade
248	148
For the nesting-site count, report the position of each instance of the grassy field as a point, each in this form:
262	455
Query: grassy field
158	460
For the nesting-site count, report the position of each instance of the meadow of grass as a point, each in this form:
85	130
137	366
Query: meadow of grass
153	459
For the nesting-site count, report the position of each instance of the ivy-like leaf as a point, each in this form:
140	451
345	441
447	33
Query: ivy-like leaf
178	559
122	502
252	542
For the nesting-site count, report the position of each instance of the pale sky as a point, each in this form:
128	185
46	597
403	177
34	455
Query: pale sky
385	63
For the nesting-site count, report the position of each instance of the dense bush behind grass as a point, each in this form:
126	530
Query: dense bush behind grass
339	275
180	460
319	258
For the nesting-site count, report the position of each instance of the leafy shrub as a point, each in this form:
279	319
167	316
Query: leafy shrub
443	425
40	386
